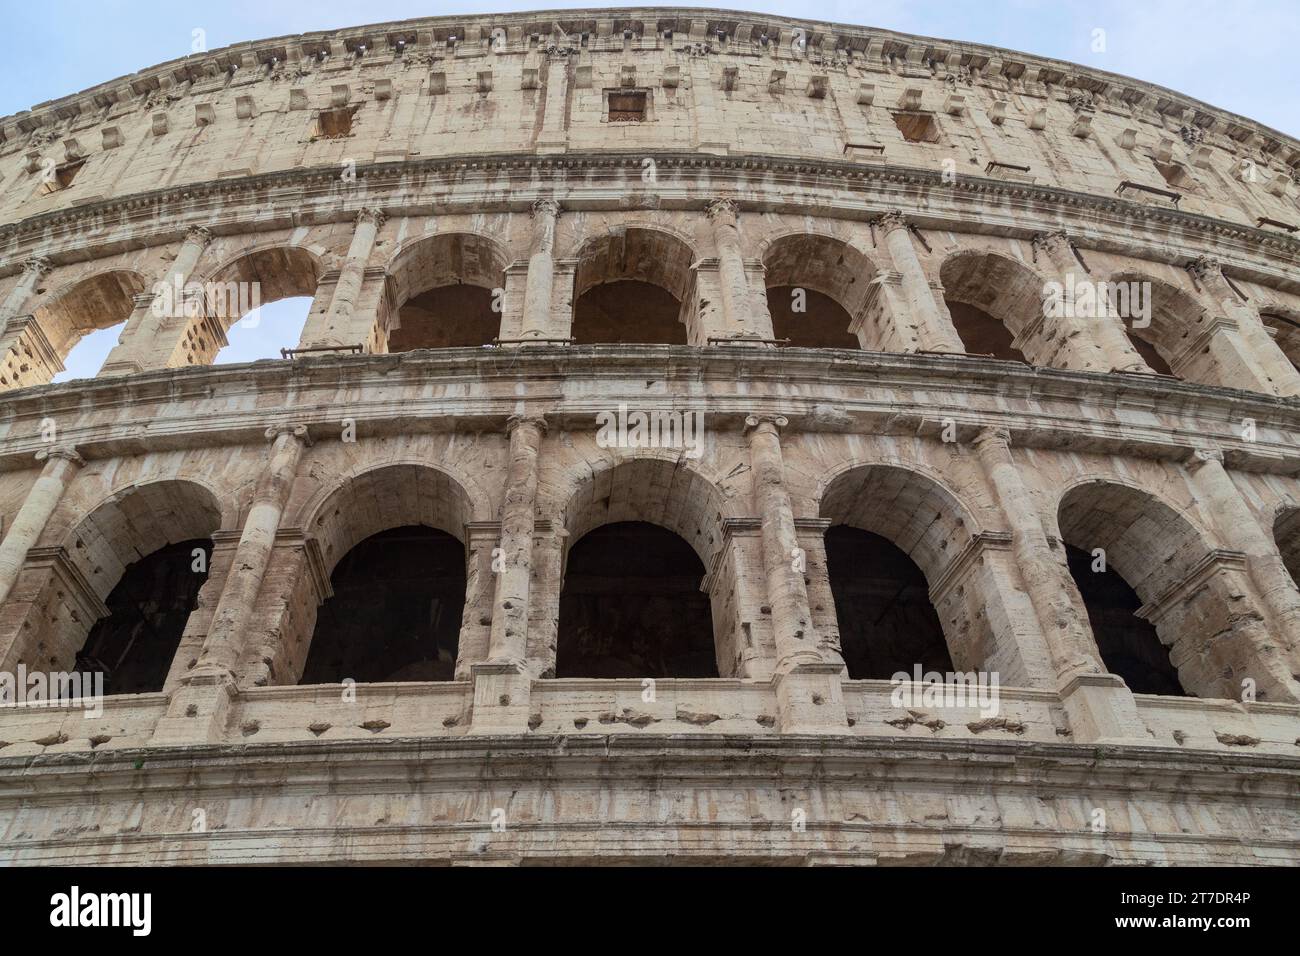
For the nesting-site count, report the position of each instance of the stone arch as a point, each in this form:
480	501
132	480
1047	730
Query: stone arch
837	281
994	300
1176	320
392	540
653	524
635	284
70	590
1286	535
280	270
1157	551
447	274
898	530
101	300
1284	325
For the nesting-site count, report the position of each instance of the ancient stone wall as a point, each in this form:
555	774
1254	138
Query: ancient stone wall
830	253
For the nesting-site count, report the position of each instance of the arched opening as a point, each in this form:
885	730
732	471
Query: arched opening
1161	321
134	645
447	292
260	302
391	540
1126	550
640	535
815	287
1129	645
139	560
396	610
79	326
893	534
631	607
992	299
632	286
1286	333
882	601
1286	535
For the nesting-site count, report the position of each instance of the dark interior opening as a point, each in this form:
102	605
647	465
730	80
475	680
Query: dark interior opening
824	323
396	611
1129	645
627	107
134	645
628	311
632	607
1150	354
981	333
887	623
452	316
917	127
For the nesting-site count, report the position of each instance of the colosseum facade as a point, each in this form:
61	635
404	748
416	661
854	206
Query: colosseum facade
672	380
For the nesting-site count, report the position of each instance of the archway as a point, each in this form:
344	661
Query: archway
893	534
260	301
632	285
1126	549
395	614
631	607
139	559
992	299
1161	321
78	327
445	292
1286	535
1286	333
816	285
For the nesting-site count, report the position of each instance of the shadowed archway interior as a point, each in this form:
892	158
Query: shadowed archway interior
631	606
396	610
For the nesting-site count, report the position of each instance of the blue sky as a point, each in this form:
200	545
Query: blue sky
1235	54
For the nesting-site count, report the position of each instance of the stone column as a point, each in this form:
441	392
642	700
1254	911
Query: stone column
61	465
934	328
1091	343
1242	532
336	326
198	708
18	301
501	684
1099	705
808	687
1270	368
740	318
539	287
140	346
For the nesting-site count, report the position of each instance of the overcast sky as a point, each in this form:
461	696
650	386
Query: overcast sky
1236	54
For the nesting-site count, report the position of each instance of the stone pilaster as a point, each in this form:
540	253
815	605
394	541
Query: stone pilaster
197	708
809	698
1266	368
1099	705
61	465
740	318
20	297
1096	343
934	328
158	321
540	284
345	323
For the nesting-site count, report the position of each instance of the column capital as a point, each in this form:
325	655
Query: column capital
1203	456
515	421
994	435
892	220
199	235
37	266
773	423
372	216
546	208
66	452
1048	241
299	432
725	210
1205	268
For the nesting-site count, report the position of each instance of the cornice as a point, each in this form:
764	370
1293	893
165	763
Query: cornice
931	54
172	211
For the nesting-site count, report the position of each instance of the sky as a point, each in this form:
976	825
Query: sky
1235	54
